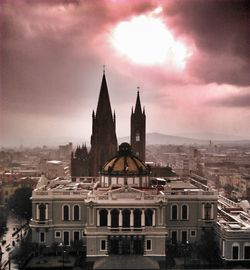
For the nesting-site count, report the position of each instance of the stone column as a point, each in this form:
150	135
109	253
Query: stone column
109	218
46	211
132	218
153	221
143	218
212	211
37	211
120	218
97	217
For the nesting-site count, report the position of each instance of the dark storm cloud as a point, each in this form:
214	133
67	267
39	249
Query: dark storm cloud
48	51
52	52
220	30
238	101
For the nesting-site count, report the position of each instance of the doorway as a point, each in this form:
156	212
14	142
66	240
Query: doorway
126	245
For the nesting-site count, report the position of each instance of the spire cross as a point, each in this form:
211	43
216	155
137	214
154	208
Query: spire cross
103	69
138	88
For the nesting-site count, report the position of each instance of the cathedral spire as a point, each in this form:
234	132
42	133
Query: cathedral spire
114	119
138	129
103	138
138	109
104	107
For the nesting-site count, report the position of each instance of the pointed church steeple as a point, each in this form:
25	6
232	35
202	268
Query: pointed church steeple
103	138
138	109
138	129
103	106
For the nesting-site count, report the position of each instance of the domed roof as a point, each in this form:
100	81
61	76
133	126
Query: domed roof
125	163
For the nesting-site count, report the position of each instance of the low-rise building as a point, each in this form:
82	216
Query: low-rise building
245	186
233	231
54	168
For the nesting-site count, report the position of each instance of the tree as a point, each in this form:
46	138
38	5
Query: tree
207	247
3	219
20	202
228	188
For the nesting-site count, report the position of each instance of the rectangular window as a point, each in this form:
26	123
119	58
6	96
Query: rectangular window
149	244
184	237
174	237
57	234
208	207
66	238
235	252
193	233
184	212
247	252
174	212
42	237
103	244
76	236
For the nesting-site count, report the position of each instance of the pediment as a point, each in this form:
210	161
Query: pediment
126	189
126	192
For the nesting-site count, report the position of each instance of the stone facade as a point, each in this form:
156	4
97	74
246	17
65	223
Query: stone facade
121	212
233	231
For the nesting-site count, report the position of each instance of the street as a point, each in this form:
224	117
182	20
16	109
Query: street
13	224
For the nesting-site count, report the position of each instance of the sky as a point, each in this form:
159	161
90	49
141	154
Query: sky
190	58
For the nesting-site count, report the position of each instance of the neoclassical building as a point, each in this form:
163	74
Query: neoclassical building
125	213
233	230
121	212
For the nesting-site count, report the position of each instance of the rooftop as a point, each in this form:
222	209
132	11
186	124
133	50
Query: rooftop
231	216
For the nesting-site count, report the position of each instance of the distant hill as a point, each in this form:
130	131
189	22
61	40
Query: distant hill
151	138
158	138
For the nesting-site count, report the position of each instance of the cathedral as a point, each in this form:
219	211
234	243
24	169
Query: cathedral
104	139
111	205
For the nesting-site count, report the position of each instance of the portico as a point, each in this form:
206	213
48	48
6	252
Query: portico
125	218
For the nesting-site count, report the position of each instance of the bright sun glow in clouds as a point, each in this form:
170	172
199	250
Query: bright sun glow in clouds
146	40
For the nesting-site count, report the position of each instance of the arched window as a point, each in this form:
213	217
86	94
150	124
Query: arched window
126	218
65	212
114	218
42	212
184	212
174	212
137	218
148	217
76	212
103	217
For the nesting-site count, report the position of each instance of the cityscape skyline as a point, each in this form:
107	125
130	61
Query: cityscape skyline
195	84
